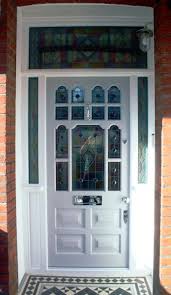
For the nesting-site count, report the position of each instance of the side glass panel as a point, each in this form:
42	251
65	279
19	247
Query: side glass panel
114	113
62	95
61	113
98	95
114	142
114	95
61	142
77	113
61	176
98	113
88	158
33	130
114	177
142	129
77	95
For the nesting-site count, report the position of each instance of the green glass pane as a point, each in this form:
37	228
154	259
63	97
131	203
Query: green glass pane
98	113
61	113
114	142
88	158
77	113
62	95
114	176
61	176
142	129
98	95
33	130
61	142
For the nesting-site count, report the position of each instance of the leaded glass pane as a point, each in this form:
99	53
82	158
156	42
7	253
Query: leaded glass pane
142	129
98	95
61	142
98	113
61	176
114	113
85	47
114	142
61	113
77	113
33	130
114	176
77	95
114	95
62	95
88	158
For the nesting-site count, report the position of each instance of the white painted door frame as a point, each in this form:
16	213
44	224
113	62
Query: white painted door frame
32	199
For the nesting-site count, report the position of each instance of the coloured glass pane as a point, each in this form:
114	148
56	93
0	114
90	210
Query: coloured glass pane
98	95
61	142
61	176
85	47
33	130
114	142
142	129
61	113
62	95
77	113
88	158
114	113
114	176
114	95
98	113
77	95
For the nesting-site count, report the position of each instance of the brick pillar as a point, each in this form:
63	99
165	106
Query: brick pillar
8	256
162	261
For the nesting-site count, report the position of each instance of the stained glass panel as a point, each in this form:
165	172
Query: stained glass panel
77	113
61	113
114	113
85	47
62	95
33	130
61	142
114	176
61	176
88	158
142	129
114	142
114	95
98	95
98	113
77	95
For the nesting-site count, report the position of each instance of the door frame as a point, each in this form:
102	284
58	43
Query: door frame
32	199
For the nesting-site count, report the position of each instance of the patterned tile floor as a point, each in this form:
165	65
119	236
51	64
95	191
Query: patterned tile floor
52	285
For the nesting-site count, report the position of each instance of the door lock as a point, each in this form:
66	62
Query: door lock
126	200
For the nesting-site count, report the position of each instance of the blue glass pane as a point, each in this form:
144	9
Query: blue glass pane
33	130
98	95
114	176
98	113
61	113
62	95
114	95
114	142
114	113
61	176
142	129
77	113
88	158
77	95
61	142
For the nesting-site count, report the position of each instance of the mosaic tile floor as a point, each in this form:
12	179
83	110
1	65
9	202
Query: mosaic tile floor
51	285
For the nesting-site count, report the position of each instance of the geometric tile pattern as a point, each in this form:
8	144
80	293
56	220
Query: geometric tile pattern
55	285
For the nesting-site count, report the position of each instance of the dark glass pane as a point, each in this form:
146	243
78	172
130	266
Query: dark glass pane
77	95
61	142
88	158
61	113
85	47
62	95
142	129
114	113
61	176
114	95
77	113
114	176
98	113
33	131
98	95
114	142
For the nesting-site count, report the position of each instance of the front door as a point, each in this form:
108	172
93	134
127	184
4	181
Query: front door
87	171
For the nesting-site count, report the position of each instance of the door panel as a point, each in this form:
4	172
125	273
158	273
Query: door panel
87	161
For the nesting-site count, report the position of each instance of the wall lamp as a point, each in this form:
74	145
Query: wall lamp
144	35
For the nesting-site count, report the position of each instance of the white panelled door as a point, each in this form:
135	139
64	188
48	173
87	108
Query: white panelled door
87	171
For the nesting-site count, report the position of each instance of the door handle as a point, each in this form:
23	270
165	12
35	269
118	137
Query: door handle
126	200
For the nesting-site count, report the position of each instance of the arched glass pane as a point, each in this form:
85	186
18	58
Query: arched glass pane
114	95
114	142
88	158
98	95
61	142
62	95
77	95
